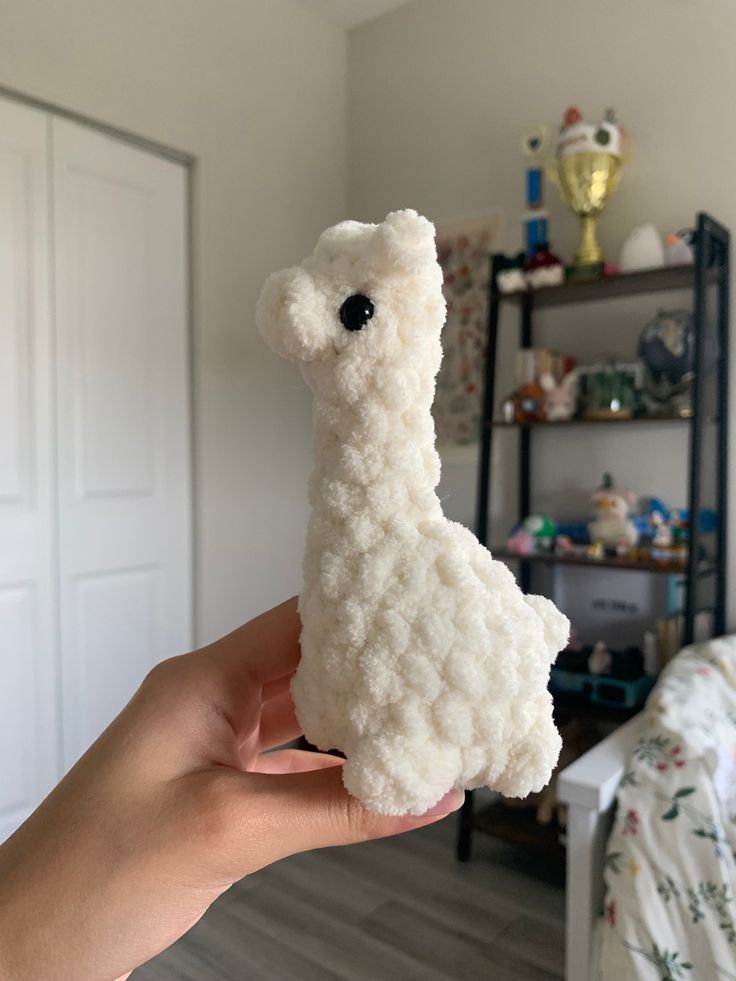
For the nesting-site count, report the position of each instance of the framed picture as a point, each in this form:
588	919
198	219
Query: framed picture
464	249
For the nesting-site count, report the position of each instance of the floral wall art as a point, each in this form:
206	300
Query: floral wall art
463	249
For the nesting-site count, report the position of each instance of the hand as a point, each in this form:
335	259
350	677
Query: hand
173	803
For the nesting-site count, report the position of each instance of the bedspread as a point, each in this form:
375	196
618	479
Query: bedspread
670	866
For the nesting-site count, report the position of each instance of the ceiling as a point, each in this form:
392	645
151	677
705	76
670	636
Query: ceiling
350	13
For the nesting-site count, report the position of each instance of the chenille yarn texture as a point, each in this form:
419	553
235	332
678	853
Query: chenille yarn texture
422	660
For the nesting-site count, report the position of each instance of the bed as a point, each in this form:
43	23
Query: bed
651	836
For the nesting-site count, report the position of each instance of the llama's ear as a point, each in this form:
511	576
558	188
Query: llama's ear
290	315
407	240
339	240
547	382
569	382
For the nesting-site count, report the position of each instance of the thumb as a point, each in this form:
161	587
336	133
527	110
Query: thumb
295	812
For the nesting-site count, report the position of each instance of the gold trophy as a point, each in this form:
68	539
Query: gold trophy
587	170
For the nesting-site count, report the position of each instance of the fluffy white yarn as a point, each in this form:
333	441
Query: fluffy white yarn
421	659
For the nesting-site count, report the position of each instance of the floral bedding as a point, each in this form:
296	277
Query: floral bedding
670	866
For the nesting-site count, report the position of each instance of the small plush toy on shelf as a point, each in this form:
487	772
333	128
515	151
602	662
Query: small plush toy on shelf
612	526
560	400
535	534
422	661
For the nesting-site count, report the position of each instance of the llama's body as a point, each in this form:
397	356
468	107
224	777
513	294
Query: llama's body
421	659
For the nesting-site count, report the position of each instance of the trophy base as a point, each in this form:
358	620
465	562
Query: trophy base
590	270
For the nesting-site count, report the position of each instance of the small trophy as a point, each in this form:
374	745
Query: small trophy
587	169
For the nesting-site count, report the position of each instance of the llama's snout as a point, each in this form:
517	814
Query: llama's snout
292	315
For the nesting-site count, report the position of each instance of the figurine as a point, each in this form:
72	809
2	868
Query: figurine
560	401
535	534
612	524
663	536
678	248
521	541
609	390
529	403
564	545
600	660
510	273
643	249
508	409
543	268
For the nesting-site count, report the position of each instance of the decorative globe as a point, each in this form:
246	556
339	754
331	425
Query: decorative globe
667	349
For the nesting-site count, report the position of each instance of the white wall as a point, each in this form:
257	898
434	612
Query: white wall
256	91
440	92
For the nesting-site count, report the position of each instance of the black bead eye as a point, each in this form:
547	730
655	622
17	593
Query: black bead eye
356	311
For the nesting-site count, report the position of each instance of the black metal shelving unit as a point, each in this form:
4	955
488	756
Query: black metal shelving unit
704	572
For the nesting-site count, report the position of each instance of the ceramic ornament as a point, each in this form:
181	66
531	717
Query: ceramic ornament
422	661
642	249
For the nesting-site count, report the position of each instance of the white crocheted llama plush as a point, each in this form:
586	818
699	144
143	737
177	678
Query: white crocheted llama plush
422	661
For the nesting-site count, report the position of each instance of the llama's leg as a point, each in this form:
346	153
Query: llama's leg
531	761
399	775
556	624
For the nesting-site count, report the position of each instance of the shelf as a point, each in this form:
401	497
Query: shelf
634	565
625	284
544	424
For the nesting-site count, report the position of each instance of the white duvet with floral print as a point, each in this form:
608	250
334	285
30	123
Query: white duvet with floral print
670	866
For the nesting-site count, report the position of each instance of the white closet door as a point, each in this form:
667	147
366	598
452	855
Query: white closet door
29	735
123	421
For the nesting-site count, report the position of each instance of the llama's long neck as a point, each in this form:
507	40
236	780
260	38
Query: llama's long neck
374	465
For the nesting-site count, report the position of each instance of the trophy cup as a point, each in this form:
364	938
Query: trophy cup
587	170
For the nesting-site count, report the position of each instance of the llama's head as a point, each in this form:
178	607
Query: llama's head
363	314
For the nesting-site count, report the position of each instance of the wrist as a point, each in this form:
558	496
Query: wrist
21	939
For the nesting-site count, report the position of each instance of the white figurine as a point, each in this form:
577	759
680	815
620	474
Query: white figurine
421	659
612	525
678	249
511	280
642	249
600	659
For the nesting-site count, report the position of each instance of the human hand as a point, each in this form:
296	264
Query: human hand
173	803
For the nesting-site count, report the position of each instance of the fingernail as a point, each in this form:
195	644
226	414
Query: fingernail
447	804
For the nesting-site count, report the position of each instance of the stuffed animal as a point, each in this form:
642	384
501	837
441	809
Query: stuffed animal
535	534
510	273
560	401
612	525
422	661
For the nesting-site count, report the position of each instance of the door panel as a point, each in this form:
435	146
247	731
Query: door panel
117	617
123	421
29	730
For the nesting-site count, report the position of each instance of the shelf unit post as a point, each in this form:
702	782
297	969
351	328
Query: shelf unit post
525	439
712	250
486	430
465	821
696	435
724	303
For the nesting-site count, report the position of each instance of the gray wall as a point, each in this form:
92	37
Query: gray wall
256	91
440	93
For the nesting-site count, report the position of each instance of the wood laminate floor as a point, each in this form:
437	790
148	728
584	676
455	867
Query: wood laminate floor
400	909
